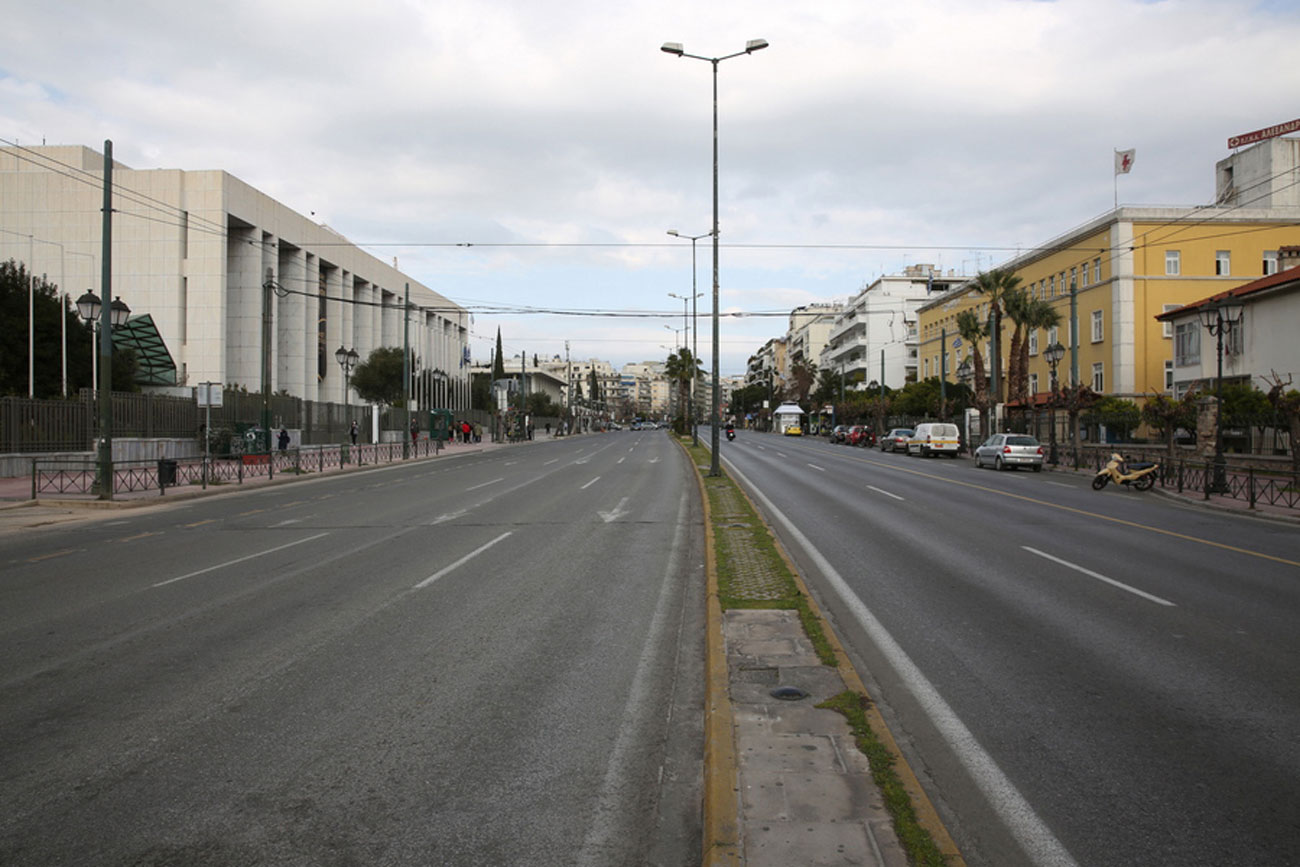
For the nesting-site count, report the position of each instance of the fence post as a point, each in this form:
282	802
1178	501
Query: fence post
1180	475
33	478
1250	480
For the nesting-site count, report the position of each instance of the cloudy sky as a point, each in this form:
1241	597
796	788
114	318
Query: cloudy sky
561	144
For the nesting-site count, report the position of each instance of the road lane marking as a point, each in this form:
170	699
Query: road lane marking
883	491
589	484
617	512
450	516
783	454
1029	830
39	557
238	560
462	561
620	460
1061	485
1135	525
1091	574
200	523
484	485
817	468
551	461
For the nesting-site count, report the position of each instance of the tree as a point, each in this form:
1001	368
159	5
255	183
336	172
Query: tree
682	368
1115	413
1038	314
48	305
378	379
1016	303
1286	403
498	363
996	285
972	331
1166	415
802	374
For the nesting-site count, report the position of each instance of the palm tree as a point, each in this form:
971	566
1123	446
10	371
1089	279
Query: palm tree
1038	314
1016	304
996	285
683	368
972	331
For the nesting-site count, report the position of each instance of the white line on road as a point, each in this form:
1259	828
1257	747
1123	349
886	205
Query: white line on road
1033	835
239	560
589	484
1091	574
783	454
620	460
551	461
1060	484
817	468
883	491
462	561
617	513
450	516
484	485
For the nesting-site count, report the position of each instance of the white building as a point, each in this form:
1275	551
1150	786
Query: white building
809	331
193	249
878	326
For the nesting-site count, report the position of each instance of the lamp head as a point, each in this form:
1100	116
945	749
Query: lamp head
674	233
755	45
119	312
88	306
673	48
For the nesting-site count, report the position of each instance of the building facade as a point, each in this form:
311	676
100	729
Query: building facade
194	251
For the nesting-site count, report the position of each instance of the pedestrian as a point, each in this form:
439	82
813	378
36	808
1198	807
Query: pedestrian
478	432
548	428
465	431
283	439
415	431
353	433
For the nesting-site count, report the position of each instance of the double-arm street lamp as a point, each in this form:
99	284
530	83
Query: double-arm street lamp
91	309
1053	354
695	328
715	465
347	359
1219	318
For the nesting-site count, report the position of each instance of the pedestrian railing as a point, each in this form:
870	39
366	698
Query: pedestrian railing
81	476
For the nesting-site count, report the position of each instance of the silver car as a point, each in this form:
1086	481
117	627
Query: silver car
1008	451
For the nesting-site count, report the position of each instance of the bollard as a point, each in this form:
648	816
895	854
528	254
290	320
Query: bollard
1250	480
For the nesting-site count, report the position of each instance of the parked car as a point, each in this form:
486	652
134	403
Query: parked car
896	440
1008	451
839	433
860	435
934	438
794	430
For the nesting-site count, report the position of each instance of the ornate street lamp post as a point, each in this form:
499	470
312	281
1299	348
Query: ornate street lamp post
715	465
91	309
347	359
1053	354
1220	317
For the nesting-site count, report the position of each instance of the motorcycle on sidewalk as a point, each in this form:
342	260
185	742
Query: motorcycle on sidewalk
1139	475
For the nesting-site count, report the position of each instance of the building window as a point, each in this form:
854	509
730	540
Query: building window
1173	263
1169	376
1033	383
1033	342
1223	263
1074	276
1053	334
1096	270
1270	262
1234	342
1051	286
1098	378
1098	332
1167	328
926	374
1187	343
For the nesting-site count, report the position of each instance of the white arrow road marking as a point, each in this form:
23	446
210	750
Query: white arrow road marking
654	460
1099	577
614	515
462	561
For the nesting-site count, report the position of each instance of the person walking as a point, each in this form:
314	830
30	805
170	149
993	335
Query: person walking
353	433
415	431
283	439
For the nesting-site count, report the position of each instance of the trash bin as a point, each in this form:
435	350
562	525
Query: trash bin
166	472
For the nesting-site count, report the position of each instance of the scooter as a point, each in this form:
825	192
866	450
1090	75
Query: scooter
1140	475
731	433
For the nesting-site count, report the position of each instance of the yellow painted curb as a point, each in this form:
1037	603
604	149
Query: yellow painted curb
721	845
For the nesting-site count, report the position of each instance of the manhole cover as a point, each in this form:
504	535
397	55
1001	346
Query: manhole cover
788	693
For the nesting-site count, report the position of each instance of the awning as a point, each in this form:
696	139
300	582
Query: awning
155	364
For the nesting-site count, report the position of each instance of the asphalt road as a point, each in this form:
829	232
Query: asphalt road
1080	677
477	660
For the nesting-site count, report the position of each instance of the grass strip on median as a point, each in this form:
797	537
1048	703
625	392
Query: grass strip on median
754	573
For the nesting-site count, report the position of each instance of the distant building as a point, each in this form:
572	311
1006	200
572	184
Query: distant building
192	251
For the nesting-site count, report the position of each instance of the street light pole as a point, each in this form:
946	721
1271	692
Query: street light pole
1053	354
695	328
1219	318
715	465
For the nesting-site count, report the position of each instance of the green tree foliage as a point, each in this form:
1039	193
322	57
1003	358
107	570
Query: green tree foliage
540	404
1165	415
480	391
998	285
1116	413
498	363
378	379
682	368
48	305
802	374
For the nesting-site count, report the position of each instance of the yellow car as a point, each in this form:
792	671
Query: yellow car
794	431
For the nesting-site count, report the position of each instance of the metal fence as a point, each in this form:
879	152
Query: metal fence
60	476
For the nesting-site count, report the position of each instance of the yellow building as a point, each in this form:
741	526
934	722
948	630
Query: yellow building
1124	268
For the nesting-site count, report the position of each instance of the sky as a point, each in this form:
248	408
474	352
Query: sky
527	159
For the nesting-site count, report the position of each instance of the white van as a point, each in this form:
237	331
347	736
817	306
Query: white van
934	438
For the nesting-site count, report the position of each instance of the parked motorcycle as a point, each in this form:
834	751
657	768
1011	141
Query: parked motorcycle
1140	475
